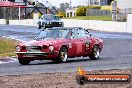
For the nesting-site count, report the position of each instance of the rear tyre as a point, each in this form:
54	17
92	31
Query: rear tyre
95	53
62	57
23	61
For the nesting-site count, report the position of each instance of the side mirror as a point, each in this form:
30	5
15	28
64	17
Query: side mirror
86	30
71	38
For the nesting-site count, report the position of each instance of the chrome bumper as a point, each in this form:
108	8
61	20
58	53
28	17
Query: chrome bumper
32	54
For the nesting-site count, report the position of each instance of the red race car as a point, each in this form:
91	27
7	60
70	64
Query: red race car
59	44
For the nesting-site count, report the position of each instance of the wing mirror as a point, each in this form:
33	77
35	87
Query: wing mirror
71	37
86	31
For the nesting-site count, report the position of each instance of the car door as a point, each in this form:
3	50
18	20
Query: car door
78	42
85	42
72	43
75	44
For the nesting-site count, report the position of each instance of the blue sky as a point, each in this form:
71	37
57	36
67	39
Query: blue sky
57	2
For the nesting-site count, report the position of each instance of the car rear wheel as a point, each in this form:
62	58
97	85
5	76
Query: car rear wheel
23	61
95	53
62	57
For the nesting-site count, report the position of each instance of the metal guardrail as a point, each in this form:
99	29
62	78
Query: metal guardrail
126	11
26	12
98	12
122	14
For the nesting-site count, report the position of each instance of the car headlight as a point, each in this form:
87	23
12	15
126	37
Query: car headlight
51	48
18	48
43	23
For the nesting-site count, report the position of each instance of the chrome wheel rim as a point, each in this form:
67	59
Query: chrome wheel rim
64	56
96	52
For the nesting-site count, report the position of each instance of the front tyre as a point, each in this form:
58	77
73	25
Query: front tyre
62	57
39	27
95	53
23	61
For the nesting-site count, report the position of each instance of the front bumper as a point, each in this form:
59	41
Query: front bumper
50	24
53	25
32	54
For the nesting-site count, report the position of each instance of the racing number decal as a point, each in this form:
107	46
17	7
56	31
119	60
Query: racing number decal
87	45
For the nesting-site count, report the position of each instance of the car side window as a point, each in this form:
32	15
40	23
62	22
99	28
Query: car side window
75	33
82	32
56	18
63	33
69	34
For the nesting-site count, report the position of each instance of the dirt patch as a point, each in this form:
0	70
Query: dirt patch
58	80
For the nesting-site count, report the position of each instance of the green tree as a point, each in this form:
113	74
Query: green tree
81	11
61	14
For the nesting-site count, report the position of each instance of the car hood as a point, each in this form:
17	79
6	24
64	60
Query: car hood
42	42
50	21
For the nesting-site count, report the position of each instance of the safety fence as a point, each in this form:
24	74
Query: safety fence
98	12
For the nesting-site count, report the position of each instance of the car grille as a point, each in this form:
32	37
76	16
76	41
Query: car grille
55	24
34	48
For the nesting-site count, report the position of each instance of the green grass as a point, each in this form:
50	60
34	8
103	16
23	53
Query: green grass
104	18
7	47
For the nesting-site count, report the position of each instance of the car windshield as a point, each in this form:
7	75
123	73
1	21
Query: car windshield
52	34
56	18
50	17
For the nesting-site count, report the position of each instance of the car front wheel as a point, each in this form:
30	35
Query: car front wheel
62	57
95	53
39	27
23	61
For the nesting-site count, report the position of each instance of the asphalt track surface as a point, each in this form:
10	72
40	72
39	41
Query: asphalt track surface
116	54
